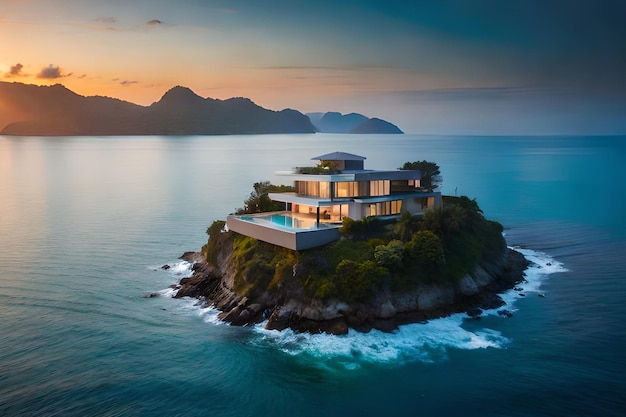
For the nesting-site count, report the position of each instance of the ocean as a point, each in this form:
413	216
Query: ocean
87	222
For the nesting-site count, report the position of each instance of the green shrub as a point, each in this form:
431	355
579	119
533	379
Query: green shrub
372	243
283	270
361	229
391	255
357	251
425	247
253	260
357	281
212	247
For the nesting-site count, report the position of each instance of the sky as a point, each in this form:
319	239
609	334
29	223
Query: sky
431	67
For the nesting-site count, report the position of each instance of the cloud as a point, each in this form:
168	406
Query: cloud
126	83
471	93
154	22
15	71
51	72
107	20
105	23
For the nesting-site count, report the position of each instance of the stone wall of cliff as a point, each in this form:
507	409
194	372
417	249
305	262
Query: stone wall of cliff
290	307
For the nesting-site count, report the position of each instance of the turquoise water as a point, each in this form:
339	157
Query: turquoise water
86	223
286	221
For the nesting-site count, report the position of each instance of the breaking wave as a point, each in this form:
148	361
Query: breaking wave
419	342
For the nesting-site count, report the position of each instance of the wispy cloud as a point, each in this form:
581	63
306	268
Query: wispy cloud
469	93
107	20
109	23
127	83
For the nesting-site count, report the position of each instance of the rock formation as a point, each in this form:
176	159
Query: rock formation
290	308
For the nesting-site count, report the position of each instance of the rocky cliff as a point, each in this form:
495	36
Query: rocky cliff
379	274
290	307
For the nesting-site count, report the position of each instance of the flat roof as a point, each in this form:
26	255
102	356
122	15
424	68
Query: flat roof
306	201
360	175
339	156
391	197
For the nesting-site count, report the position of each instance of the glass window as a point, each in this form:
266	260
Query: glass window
379	188
324	190
385	208
346	189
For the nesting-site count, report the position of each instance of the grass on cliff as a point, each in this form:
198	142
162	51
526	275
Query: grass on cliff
441	246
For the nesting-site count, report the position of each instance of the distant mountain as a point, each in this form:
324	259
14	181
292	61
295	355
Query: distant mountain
55	110
334	122
375	125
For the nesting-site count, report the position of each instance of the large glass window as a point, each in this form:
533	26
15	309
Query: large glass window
324	189
313	188
379	188
346	189
385	208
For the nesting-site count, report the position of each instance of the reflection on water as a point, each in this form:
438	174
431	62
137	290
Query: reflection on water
86	223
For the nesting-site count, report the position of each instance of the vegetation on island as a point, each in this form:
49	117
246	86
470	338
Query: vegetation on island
431	178
440	246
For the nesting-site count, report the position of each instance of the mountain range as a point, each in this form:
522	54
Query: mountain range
334	122
31	110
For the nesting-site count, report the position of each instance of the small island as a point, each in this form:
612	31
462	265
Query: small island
347	247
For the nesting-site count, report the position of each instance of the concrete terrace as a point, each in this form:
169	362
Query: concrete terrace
295	232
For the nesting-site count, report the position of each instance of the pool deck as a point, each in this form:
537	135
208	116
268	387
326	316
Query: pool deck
294	239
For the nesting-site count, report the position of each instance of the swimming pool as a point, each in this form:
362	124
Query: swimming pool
287	221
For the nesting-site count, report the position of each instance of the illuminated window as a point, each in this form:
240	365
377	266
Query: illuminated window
385	208
379	188
324	190
313	188
346	189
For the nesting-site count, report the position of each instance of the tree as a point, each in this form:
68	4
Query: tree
259	200
403	228
431	178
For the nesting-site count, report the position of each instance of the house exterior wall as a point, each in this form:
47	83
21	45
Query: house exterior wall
355	211
353	165
346	190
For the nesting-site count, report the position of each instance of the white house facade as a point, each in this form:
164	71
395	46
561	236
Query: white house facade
338	187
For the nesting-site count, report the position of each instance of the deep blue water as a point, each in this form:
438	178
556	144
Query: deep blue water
86	223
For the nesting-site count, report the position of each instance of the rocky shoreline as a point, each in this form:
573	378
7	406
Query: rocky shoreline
289	308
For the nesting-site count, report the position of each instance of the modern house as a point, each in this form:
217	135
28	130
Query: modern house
339	186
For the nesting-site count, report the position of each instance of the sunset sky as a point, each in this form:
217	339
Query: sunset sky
441	66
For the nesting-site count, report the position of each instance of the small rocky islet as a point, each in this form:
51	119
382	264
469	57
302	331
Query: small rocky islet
344	285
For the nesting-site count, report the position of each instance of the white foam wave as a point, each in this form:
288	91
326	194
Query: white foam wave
168	292
423	342
195	307
176	271
189	305
541	266
180	268
413	342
